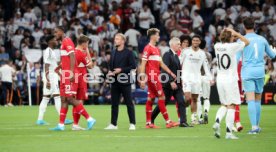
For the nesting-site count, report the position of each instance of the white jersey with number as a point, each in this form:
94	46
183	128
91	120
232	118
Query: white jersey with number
49	57
191	62
227	74
226	59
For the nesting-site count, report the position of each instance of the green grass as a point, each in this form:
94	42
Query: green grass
18	133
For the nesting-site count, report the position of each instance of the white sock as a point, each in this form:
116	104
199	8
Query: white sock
199	108
206	105
220	114
230	118
42	107
194	116
57	103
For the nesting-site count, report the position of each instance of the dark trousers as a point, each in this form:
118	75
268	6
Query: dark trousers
116	92
7	92
178	96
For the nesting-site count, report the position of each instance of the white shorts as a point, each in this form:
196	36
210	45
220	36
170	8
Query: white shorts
205	87
228	92
193	87
53	90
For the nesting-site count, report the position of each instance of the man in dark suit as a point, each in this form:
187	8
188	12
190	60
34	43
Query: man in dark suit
171	86
121	63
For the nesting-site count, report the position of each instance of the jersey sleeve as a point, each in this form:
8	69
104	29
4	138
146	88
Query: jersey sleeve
86	61
146	53
182	57
268	50
237	46
69	46
47	56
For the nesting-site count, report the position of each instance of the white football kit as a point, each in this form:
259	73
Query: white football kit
49	57
227	74
191	62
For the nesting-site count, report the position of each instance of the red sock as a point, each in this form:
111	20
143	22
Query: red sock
148	110
163	109
76	116
237	113
178	114
62	116
81	110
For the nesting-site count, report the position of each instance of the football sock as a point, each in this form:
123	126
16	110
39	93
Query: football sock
57	103
252	112
148	111
163	109
258	112
206	105
42	107
194	117
81	110
230	120
220	114
237	113
199	107
62	116
76	116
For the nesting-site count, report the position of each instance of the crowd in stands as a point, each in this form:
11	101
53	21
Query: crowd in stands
25	24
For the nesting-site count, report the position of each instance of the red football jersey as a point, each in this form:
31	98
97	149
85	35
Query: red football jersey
152	55
81	61
67	47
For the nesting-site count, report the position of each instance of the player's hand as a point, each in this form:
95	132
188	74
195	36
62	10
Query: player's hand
117	71
142	85
212	82
173	85
173	75
72	79
110	74
48	85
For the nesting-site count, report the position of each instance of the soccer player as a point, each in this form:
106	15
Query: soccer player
151	63
50	81
205	89
227	79
192	59
253	73
83	61
68	81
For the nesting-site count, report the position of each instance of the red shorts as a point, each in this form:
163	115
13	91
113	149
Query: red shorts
67	88
81	89
155	89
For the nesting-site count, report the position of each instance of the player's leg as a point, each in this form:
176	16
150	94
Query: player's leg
43	105
178	95
42	109
258	98
206	101
199	109
249	88
238	127
222	110
230	117
194	109
115	100
156	110
126	92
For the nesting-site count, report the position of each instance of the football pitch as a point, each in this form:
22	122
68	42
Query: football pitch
18	133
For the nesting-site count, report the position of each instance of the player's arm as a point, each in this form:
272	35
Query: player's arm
57	70
72	64
269	51
241	37
166	69
90	65
182	57
47	75
207	70
143	74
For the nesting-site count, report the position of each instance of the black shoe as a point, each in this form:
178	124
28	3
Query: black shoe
205	120
185	124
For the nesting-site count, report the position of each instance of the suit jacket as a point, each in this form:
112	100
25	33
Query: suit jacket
126	63
173	63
